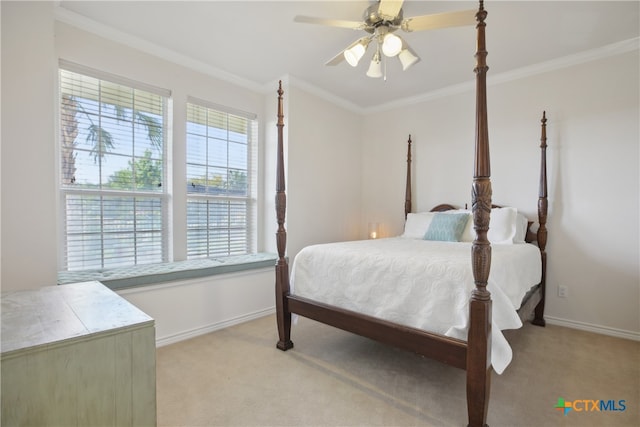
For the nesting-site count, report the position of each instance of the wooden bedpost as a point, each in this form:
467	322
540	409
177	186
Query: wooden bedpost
542	220
407	193
283	314
479	337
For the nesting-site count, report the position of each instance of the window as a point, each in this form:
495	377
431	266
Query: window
112	170
116	204
220	181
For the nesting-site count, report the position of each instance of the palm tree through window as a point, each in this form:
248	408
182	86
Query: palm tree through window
112	169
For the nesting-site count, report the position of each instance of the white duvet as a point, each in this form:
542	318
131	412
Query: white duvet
418	283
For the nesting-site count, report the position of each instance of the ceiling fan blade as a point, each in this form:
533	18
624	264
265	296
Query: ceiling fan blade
340	57
336	59
354	25
389	9
440	20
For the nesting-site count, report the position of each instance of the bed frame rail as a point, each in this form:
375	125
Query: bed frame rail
445	349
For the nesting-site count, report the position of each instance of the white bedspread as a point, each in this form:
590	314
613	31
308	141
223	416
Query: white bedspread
418	283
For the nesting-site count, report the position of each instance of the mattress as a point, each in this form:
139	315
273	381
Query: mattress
419	283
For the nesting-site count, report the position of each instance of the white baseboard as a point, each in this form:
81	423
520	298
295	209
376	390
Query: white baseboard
589	327
181	336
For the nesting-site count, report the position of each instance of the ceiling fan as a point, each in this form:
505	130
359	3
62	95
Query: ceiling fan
381	20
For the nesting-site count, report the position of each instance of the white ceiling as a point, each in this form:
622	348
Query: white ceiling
258	42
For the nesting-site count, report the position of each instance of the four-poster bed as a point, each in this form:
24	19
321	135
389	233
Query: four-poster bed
473	353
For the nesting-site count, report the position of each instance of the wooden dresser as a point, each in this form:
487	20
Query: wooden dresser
76	355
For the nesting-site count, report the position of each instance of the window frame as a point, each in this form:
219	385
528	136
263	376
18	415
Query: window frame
250	199
65	190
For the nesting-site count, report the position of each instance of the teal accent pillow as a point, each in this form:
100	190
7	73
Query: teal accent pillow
447	227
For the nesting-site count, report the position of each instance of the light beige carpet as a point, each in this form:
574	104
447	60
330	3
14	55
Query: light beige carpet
237	377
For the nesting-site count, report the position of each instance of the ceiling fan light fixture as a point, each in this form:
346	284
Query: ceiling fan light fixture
407	58
375	68
391	45
354	54
381	19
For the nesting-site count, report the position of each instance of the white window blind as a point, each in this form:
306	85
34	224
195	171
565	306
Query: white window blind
221	158
112	171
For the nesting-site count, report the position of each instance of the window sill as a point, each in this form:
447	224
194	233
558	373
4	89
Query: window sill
141	275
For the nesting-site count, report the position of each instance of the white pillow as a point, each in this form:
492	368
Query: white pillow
522	224
504	227
469	234
417	224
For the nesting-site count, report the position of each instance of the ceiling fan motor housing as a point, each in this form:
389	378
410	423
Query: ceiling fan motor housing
373	19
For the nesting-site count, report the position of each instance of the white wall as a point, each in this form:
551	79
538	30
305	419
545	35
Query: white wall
28	117
322	169
323	173
184	309
593	136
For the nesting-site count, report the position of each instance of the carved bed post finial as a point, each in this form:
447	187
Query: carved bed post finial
283	316
407	193
542	220
479	335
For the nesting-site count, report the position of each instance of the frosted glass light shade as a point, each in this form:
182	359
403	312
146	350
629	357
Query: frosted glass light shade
407	58
375	69
392	45
354	54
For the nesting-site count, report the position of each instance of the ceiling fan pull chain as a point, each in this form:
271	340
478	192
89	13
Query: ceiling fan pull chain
385	68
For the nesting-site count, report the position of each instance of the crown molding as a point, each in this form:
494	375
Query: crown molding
314	90
89	25
74	19
606	51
